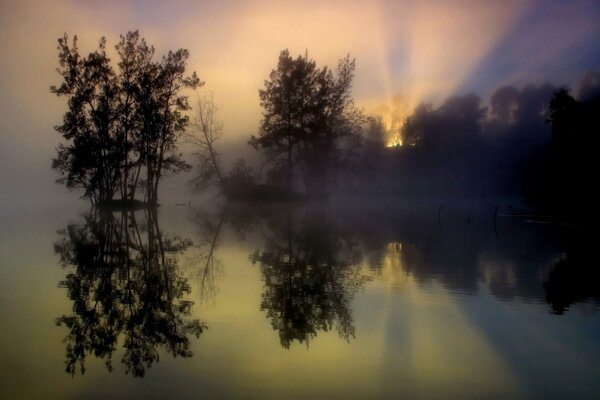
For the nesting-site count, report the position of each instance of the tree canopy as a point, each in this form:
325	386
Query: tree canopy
307	111
122	124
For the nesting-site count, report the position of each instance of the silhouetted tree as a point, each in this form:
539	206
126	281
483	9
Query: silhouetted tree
418	126
120	122
166	121
92	158
572	168
207	131
565	116
307	111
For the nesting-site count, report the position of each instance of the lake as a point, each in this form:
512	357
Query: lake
341	300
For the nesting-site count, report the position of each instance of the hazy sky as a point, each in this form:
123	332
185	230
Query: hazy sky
406	52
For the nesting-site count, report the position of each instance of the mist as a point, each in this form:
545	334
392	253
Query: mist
299	199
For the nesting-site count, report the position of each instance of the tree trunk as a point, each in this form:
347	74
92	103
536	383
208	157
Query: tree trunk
289	166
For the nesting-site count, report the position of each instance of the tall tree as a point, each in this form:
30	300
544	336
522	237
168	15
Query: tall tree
207	131
286	100
92	157
135	59
123	120
306	111
167	113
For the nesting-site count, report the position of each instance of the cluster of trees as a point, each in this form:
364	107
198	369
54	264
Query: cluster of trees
122	124
461	147
536	142
310	127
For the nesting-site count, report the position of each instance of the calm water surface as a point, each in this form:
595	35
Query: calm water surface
346	300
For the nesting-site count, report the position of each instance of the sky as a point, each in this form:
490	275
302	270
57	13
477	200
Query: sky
406	52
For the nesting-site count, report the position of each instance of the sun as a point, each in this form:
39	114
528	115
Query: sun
394	116
395	141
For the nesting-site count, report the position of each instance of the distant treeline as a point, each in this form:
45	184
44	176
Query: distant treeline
536	142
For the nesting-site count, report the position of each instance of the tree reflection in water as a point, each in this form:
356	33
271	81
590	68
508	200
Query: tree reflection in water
125	282
311	272
575	277
209	227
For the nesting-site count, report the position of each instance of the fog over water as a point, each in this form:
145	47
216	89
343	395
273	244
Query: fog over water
371	199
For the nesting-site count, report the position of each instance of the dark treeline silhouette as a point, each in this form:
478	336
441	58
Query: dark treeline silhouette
536	142
570	169
122	124
126	288
461	147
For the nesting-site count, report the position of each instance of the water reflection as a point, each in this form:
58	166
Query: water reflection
575	277
124	281
127	287
210	227
466	249
311	271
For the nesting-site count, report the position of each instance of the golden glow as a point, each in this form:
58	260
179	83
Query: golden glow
422	50
391	269
417	324
393	115
404	338
234	46
394	142
409	338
